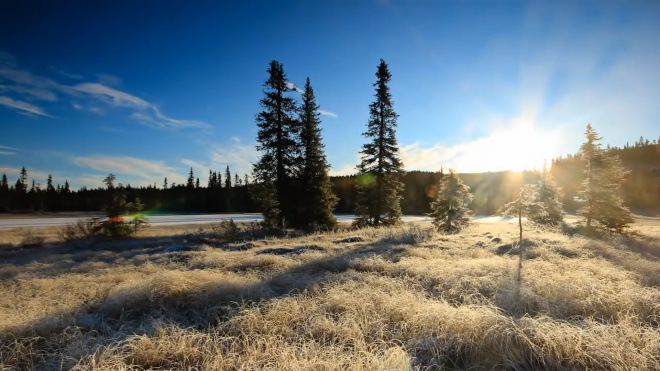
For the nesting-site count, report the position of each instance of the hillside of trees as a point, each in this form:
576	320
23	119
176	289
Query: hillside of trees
491	190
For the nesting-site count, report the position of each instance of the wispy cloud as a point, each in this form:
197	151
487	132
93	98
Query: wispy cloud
328	113
123	165
147	113
68	75
132	170
19	86
22	106
6	150
111	96
237	155
295	87
349	169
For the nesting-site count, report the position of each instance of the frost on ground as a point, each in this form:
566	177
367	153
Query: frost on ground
374	299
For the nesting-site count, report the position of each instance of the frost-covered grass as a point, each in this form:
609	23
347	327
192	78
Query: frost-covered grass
398	298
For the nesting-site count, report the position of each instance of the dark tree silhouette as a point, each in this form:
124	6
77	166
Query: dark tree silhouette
378	184
276	142
317	200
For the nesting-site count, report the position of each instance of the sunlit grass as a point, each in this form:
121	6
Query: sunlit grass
397	298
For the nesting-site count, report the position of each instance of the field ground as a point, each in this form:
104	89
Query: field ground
402	298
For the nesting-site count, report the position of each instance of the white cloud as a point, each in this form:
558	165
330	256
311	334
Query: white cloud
517	146
41	177
349	169
61	72
22	106
8	153
237	155
108	79
27	85
7	147
123	165
111	96
199	170
295	87
132	170
147	113
328	113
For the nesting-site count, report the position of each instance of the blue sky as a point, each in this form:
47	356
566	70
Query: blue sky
148	89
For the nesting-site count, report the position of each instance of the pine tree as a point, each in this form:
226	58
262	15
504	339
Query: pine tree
110	181
279	150
197	183
21	183
227	178
191	180
165	183
526	205
600	190
550	196
212	180
218	179
237	180
378	198
49	184
450	211
4	184
317	200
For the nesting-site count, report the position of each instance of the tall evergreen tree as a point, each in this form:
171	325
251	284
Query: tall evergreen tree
450	211
165	183
317	200
21	183
378	186
110	181
191	180
197	183
549	195
600	190
4	185
278	128
212	180
227	178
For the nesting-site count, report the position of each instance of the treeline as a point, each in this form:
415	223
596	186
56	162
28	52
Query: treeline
491	190
219	195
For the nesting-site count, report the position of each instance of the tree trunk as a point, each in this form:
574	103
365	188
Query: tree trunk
520	222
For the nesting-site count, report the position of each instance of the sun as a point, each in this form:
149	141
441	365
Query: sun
516	148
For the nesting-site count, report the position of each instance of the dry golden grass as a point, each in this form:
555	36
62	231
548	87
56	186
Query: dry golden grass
402	298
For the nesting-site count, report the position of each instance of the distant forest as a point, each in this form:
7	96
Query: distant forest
233	194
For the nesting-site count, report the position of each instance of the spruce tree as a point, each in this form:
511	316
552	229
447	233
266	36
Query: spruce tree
450	211
317	200
212	180
276	142
191	180
378	184
600	190
165	183
525	205
550	196
227	178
